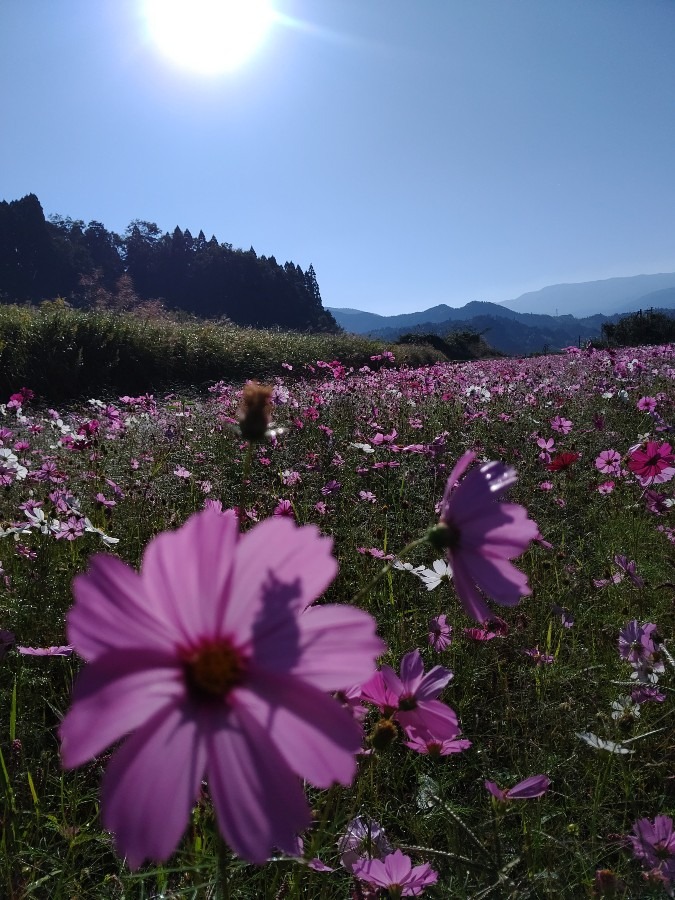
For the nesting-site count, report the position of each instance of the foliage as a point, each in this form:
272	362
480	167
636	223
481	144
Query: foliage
456	345
649	327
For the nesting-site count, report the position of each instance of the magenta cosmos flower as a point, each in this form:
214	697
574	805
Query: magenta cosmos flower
212	662
411	699
653	464
654	844
481	535
396	874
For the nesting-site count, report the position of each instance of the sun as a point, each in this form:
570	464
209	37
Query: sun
208	36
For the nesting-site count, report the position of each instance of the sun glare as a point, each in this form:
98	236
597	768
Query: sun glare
208	36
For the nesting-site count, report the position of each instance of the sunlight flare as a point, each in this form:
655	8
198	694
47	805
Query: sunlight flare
208	36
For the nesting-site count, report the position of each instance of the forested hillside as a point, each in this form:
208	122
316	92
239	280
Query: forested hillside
92	267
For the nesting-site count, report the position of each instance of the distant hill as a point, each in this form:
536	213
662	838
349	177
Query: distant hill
519	336
608	296
528	324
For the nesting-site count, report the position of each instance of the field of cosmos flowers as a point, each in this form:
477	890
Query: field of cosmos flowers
353	634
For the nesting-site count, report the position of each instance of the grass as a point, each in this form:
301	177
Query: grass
522	718
66	353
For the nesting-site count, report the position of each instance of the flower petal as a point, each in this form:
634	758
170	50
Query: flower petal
112	611
259	802
336	647
473	604
186	573
314	734
150	786
277	557
114	695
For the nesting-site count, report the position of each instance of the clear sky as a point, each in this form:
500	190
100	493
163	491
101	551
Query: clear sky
414	151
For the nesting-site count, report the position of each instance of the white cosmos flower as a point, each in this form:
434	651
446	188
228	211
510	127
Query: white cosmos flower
365	447
431	578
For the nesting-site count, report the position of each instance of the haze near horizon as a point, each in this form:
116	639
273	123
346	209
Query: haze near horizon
415	155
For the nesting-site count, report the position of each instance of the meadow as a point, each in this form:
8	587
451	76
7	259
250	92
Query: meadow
545	687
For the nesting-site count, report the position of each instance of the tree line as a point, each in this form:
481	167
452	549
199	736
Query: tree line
90	266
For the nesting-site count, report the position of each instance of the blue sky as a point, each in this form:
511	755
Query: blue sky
416	153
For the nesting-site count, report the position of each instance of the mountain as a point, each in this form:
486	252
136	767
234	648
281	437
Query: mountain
609	296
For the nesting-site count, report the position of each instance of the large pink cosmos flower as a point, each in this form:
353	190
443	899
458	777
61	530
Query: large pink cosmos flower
211	661
481	535
653	464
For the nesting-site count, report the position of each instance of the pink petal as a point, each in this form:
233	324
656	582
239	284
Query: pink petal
472	602
433	683
259	802
186	573
337	647
150	786
112	611
277	561
529	788
411	671
310	730
398	867
432	720
114	695
497	577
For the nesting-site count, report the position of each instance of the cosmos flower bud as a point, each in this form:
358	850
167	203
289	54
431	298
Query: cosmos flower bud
255	411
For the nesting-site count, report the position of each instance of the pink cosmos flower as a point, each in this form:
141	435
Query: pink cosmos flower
411	699
608	462
654	464
654	845
528	789
396	874
284	508
440	633
492	628
430	747
481	535
606	487
561	425
646	404
211	661
45	651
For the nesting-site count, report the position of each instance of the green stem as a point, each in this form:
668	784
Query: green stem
387	568
246	471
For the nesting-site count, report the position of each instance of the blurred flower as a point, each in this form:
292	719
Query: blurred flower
212	660
563	461
440	633
363	839
481	535
653	843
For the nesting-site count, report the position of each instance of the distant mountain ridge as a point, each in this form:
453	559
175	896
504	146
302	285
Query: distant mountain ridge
524	330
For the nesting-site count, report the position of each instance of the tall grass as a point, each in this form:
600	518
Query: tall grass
66	353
